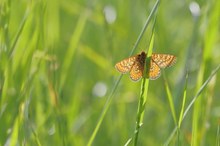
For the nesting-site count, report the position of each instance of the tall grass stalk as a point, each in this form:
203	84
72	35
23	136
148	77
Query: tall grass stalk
143	93
19	32
217	143
210	39
81	24
182	108
105	109
197	110
145	26
170	99
183	103
201	89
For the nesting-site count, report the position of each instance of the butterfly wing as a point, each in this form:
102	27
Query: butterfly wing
135	65
138	68
164	60
154	71
125	65
136	71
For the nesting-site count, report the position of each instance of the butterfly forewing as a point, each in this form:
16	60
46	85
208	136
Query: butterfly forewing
125	65
164	60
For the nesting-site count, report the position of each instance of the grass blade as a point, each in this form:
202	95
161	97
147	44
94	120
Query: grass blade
18	34
143	94
145	26
73	45
183	103
218	136
192	102
106	107
170	99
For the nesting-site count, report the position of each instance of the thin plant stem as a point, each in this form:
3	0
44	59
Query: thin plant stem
192	102
143	93
145	26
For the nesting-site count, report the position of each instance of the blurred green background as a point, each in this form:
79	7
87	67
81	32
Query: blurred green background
57	69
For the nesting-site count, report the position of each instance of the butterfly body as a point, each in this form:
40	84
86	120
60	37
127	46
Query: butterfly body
135	65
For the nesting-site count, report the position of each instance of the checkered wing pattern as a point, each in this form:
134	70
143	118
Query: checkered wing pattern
135	65
154	71
125	65
164	60
137	71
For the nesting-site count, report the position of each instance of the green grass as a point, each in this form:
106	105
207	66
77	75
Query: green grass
54	54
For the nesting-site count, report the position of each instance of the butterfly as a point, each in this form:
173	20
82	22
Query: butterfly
135	65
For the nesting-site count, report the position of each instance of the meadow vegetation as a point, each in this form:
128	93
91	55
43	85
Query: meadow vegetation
58	84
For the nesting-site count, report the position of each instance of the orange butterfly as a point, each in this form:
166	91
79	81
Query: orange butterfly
135	65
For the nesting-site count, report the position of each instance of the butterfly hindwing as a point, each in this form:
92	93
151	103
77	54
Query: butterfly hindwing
136	71
154	71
